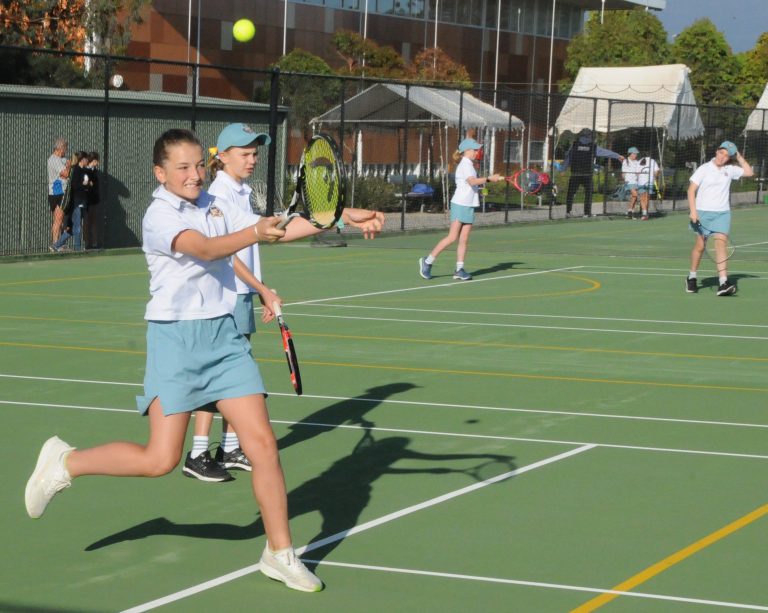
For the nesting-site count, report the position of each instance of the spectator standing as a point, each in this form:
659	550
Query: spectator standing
58	174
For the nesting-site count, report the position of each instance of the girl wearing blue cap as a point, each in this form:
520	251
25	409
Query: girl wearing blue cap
629	169
195	355
463	204
709	201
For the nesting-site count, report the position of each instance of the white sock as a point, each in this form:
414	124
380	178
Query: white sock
692	274
199	445
723	280
429	259
229	441
459	265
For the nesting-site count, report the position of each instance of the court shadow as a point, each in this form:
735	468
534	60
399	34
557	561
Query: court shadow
500	267
351	411
340	494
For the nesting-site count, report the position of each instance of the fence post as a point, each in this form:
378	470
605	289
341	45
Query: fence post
104	196
274	96
195	76
404	166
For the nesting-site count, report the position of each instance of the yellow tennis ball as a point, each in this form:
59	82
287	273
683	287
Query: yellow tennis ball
243	30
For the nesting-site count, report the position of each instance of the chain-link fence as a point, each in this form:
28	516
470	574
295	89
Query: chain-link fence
397	139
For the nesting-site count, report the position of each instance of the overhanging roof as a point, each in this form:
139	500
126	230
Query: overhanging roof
385	104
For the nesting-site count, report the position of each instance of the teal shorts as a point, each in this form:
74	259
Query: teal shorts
645	188
245	321
192	364
464	214
714	222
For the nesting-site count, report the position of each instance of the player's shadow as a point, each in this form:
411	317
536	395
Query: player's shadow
340	494
351	411
714	282
500	267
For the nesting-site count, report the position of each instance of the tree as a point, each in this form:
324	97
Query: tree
753	73
625	38
102	26
433	66
307	96
363	56
714	69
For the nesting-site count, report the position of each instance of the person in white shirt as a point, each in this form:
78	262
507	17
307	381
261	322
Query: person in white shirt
629	169
463	204
647	171
232	162
195	356
709	201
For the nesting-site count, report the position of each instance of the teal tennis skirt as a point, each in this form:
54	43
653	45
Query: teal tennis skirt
245	321
713	222
191	364
464	214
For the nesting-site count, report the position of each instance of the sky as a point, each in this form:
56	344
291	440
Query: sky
741	21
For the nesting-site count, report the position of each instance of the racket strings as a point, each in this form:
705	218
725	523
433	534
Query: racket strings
321	186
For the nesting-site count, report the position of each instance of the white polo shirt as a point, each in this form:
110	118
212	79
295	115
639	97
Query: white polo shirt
714	185
629	169
646	173
224	187
182	286
465	193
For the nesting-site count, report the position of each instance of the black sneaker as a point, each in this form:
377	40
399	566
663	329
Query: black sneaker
690	285
726	289
234	459
630	215
205	468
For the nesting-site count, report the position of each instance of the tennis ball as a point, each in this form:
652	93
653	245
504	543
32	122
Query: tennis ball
243	30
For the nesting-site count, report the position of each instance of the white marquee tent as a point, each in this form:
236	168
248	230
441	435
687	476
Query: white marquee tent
613	99
383	105
758	119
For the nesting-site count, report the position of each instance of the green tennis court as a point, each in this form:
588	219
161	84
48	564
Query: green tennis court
568	431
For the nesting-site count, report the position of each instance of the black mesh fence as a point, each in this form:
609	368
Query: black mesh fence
397	139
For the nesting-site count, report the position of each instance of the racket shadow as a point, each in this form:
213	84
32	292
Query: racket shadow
340	494
713	282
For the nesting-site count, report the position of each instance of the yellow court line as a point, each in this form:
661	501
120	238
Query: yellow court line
427	341
474	373
70	279
670	561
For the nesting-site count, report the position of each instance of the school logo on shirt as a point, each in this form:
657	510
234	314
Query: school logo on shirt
215	211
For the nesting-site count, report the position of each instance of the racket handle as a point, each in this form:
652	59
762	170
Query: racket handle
286	219
276	309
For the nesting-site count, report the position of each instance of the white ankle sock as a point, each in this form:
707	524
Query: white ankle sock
199	445
229	441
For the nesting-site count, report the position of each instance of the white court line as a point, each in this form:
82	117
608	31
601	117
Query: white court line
434	286
544	316
442	322
555	586
358	529
474	407
494	437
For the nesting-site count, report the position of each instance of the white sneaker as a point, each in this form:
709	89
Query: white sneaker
49	478
284	566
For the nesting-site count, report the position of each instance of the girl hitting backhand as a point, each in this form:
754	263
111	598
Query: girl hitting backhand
195	356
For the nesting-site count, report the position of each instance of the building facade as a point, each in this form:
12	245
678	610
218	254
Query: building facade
469	31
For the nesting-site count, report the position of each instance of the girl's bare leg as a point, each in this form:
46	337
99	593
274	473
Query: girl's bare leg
453	234
461	250
249	418
158	457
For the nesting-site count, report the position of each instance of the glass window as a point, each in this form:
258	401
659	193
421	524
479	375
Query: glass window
448	11
351	4
387	7
490	14
417	8
476	16
334	4
402	7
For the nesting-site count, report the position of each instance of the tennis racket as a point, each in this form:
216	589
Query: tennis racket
529	181
290	350
718	246
321	186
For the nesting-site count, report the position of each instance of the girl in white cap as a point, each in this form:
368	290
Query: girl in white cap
709	201
195	355
463	204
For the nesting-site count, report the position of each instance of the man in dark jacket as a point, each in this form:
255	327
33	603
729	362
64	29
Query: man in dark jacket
581	158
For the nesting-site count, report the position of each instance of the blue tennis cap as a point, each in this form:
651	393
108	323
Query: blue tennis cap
469	143
729	147
633	150
240	135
